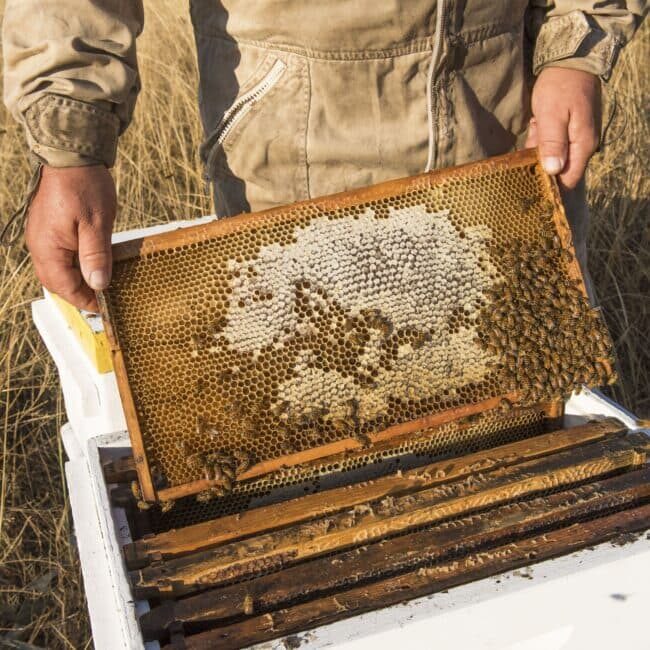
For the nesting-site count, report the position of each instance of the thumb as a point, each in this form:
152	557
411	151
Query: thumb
552	140
95	258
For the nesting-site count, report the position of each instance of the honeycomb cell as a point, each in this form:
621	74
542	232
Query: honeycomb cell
272	334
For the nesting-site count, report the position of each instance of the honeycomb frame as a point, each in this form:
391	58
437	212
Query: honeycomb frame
124	310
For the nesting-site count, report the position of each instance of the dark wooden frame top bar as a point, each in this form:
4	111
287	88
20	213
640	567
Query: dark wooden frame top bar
190	539
391	590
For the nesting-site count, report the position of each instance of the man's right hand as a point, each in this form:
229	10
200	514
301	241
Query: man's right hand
68	232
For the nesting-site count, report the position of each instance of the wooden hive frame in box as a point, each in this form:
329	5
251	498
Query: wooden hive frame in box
276	570
463	470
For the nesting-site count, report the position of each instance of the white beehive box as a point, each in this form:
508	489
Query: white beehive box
595	598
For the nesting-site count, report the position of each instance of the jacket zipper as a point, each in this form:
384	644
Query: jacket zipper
244	104
433	86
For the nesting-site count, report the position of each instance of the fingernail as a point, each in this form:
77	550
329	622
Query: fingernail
552	165
98	280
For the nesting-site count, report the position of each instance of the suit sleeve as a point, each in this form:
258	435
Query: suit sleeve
71	75
583	34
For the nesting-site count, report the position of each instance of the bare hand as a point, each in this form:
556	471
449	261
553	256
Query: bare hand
68	232
566	122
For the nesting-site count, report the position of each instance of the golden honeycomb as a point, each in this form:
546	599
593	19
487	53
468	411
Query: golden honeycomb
250	342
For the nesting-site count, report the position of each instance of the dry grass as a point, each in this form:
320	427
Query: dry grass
619	196
159	178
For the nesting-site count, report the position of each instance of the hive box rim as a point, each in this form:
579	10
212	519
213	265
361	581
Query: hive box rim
147	245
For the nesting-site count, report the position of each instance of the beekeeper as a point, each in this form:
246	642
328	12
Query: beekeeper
300	99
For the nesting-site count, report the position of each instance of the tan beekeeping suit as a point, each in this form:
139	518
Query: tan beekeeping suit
303	98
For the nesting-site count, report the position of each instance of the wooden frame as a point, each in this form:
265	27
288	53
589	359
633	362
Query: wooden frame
391	590
374	521
199	537
277	590
148	245
123	470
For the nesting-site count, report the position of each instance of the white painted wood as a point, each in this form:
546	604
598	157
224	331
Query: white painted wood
101	531
135	233
592	402
92	400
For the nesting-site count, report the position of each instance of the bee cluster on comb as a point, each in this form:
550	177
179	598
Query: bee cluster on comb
547	338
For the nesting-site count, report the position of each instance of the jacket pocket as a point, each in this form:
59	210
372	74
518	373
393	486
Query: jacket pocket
241	107
256	153
491	99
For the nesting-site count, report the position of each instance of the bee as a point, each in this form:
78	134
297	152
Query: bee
549	323
159	479
243	461
357	338
143	505
212	433
200	426
227	483
280	409
349	324
526	384
287	447
249	605
351	406
217	472
196	346
211	493
166	506
505	405
370	314
219	325
596	334
228	375
342	425
386	329
199	386
228	471
205	496
135	490
209	471
378	322
181	445
195	461
363	439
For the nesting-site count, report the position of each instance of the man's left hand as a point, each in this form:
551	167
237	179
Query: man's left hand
565	125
